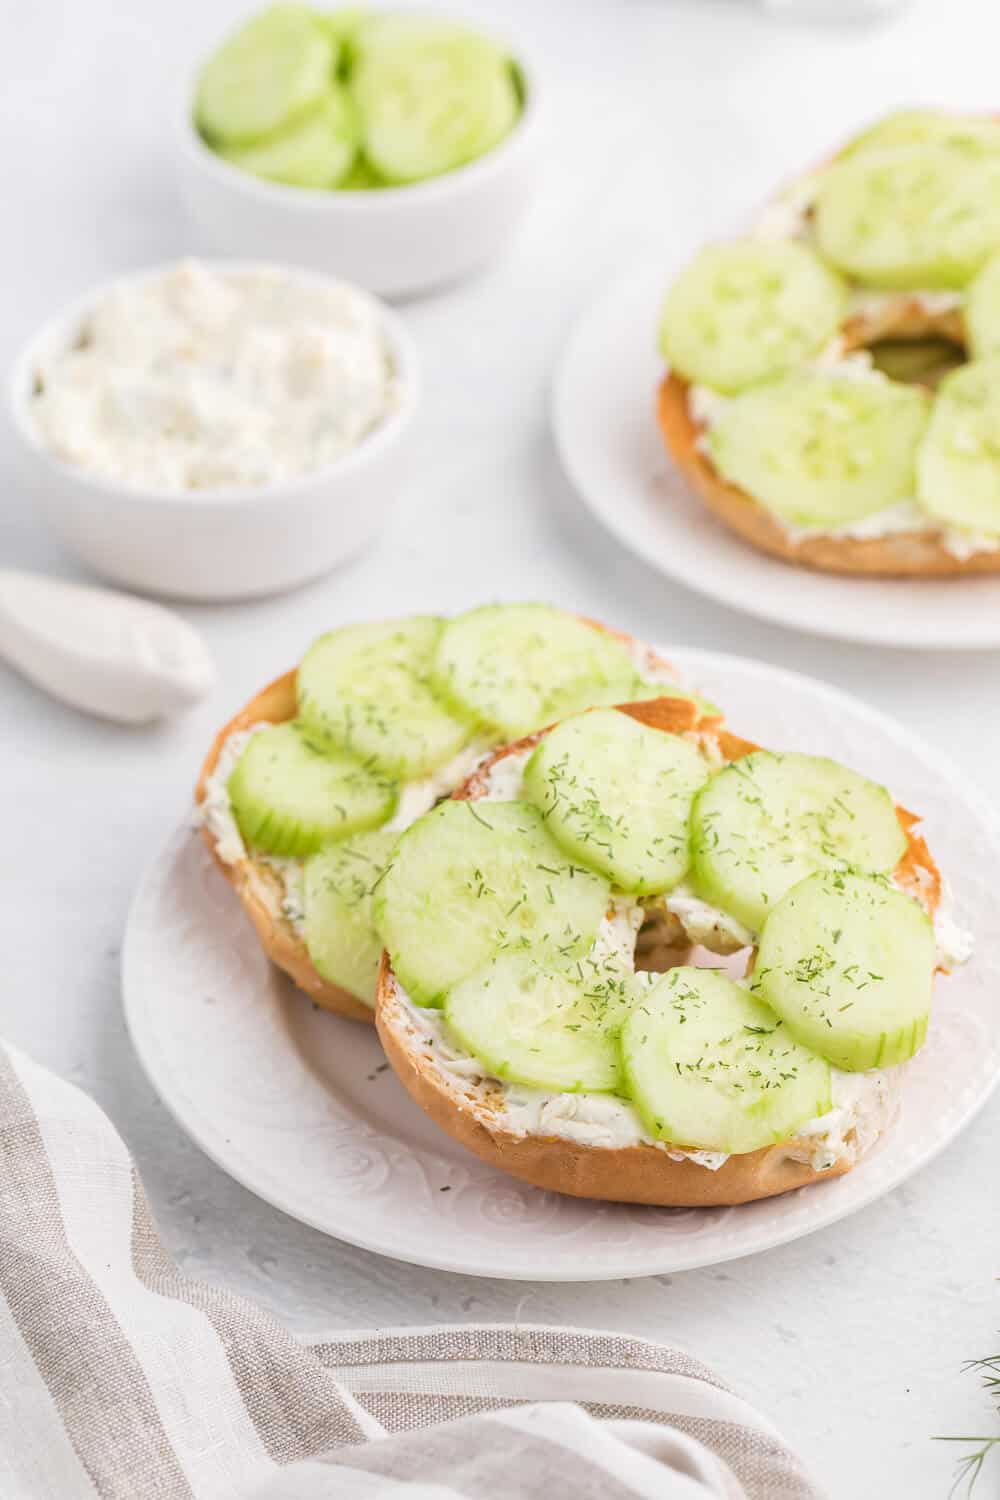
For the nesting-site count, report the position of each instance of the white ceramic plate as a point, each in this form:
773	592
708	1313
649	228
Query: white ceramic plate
605	428
299	1106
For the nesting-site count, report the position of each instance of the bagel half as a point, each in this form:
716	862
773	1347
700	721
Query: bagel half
909	554
257	884
641	1173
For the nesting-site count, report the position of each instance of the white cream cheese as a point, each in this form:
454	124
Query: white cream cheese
196	379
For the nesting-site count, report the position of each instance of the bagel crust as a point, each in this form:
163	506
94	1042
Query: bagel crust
259	887
640	1173
909	554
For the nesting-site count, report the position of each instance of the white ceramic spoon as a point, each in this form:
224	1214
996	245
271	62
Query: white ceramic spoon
103	652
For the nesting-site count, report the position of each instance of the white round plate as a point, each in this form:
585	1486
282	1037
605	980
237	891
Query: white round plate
603	415
299	1106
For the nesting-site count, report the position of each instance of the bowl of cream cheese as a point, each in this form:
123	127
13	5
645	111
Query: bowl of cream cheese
217	430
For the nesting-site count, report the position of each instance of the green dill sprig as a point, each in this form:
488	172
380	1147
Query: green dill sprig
970	1464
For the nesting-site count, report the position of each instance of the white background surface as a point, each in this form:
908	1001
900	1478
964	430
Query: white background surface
668	118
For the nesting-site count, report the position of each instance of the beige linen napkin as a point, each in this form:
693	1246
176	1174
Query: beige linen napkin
120	1379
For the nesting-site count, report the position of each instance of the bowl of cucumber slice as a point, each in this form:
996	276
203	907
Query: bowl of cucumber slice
397	149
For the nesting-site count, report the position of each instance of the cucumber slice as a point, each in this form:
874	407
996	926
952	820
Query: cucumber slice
539	1026
432	95
768	820
338	887
958	467
913	216
922	127
822	449
982	311
274	70
473	878
315	153
711	1068
518	667
848	962
617	795
366	688
291	796
746	312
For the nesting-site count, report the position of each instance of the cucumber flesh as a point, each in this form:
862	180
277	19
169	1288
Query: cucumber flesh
290	796
617	796
519	667
339	884
432	96
366	689
848	962
471	879
982	311
273	71
709	1067
768	820
316	152
912	216
923	127
822	449
539	1026
749	311
958	467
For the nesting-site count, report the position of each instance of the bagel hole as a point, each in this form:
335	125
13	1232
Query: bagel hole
662	945
918	361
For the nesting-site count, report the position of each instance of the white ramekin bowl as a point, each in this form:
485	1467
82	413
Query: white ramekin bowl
223	544
395	241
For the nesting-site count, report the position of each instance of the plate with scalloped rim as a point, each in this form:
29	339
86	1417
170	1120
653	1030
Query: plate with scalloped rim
300	1107
610	446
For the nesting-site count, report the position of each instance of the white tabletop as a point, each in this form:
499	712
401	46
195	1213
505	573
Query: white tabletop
667	118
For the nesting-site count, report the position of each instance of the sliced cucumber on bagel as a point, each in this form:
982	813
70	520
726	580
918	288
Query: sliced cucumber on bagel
617	796
291	795
518	667
958	469
709	1067
338	893
768	820
542	1026
911	216
848	962
749	311
927	127
365	688
822	449
981	311
471	879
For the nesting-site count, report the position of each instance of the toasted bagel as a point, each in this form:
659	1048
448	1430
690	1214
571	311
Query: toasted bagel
257	884
640	1173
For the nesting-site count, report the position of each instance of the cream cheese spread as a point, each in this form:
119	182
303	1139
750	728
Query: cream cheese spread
863	1103
201	379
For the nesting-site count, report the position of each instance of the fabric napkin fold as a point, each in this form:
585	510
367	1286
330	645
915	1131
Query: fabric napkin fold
121	1379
